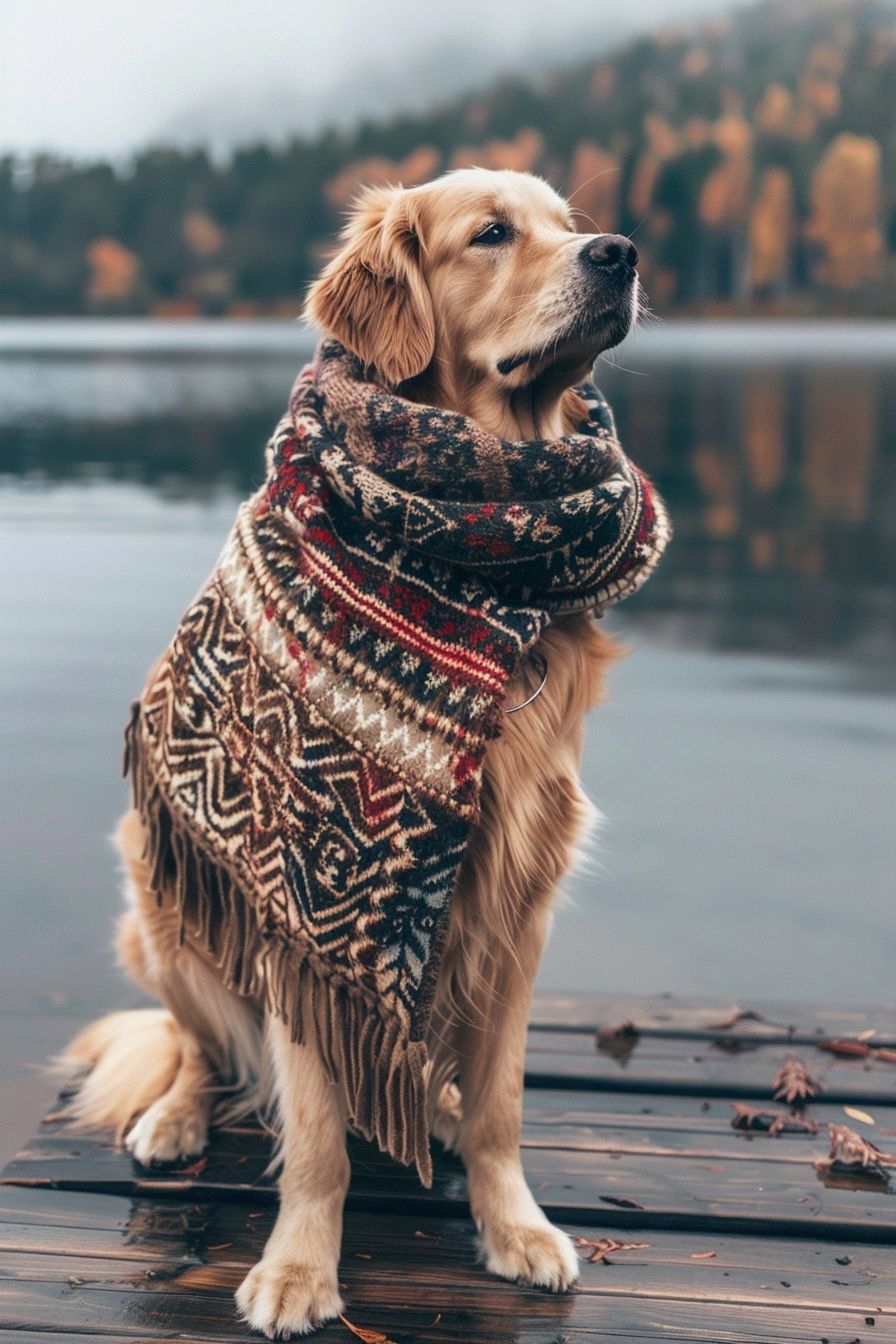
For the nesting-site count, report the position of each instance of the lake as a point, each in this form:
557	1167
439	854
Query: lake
744	763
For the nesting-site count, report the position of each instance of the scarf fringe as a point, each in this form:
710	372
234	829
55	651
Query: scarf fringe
381	1076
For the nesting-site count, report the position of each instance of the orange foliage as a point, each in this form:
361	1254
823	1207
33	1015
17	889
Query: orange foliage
663	142
805	122
201	234
714	473
419	166
774	115
717	478
113	271
662	138
771	228
174	308
521	154
826	59
764	433
821	94
594	188
726	191
762	551
840	436
845	197
663	284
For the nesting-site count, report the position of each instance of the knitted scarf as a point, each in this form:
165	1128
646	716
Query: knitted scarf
307	755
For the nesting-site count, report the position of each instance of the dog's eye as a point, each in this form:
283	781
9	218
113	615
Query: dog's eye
490	237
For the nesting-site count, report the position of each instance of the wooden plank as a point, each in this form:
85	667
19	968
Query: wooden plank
593	1122
66	1337
649	1273
43	1207
635	1122
164	1236
684	1068
447	1313
399	1274
642	1148
620	1187
670	1014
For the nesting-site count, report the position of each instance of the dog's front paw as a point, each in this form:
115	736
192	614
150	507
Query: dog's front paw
538	1254
282	1297
167	1132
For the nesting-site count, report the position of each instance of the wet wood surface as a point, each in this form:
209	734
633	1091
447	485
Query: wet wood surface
740	1236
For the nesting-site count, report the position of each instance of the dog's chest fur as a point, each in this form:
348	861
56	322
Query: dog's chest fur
534	815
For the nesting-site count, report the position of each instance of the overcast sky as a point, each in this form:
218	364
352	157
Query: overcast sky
106	76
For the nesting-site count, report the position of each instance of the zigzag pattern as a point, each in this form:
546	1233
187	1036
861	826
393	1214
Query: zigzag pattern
308	754
317	832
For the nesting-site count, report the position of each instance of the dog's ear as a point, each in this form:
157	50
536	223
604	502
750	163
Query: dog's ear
372	296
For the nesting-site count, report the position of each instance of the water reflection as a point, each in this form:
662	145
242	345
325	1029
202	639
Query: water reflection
780	471
748	850
781	482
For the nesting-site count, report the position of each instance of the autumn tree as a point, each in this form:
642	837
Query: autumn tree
845	220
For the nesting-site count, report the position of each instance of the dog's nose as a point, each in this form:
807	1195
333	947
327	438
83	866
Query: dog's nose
610	249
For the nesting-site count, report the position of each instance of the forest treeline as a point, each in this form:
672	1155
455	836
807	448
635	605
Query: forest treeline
753	158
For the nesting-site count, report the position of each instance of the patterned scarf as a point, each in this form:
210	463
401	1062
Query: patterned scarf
307	755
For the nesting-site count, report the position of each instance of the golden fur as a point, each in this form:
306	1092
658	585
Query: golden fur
413	293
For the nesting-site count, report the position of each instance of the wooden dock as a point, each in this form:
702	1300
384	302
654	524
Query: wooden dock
727	1235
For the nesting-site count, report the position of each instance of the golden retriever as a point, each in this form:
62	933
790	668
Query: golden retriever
474	293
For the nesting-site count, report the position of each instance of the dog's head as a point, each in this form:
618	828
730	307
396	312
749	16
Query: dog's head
474	288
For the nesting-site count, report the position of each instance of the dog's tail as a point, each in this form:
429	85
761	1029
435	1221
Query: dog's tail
132	1058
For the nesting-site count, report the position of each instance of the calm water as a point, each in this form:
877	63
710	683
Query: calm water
745	763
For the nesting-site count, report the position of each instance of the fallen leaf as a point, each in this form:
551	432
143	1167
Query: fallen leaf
363	1255
885	1055
621	1202
221	1246
618	1041
427	1236
620	1029
704	1255
849	1149
856	1049
794	1083
606	1246
855	1114
866	1035
772	1123
193	1168
843	1259
366	1336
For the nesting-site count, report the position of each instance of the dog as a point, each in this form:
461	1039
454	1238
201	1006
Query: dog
475	294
